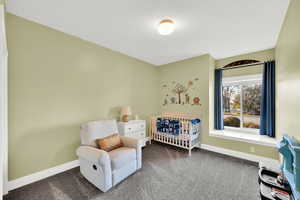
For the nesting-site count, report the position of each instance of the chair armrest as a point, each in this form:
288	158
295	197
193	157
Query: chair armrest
131	142
92	154
137	144
96	157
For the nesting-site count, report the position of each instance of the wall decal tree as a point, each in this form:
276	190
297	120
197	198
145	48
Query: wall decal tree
179	89
186	93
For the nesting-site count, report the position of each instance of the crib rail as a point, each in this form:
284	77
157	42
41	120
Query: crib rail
188	137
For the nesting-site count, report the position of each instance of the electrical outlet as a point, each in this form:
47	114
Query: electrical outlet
252	149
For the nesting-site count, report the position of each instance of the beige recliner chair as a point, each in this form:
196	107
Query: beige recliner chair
106	169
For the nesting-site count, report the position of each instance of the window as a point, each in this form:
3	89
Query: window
241	102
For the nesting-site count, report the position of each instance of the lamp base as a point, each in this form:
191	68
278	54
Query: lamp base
125	118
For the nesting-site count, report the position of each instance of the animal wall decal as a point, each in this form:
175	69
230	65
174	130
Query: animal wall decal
182	94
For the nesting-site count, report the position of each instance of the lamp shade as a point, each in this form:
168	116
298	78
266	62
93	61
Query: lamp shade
126	110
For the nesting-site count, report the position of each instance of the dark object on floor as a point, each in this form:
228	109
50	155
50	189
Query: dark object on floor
270	189
269	193
280	179
167	173
269	178
279	194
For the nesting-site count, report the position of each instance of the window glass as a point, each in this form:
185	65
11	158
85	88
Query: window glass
232	105
251	105
241	102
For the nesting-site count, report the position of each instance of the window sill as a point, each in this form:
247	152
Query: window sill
244	137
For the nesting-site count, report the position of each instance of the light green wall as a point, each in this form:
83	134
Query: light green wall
56	83
288	73
264	55
182	72
260	56
2	1
202	67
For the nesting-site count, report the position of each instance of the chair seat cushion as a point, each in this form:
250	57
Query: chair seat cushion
121	156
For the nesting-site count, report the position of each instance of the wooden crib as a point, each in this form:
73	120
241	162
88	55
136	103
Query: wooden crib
188	136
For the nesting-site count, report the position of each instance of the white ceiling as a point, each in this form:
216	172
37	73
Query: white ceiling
222	28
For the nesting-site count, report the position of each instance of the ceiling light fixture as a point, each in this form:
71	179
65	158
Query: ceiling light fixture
166	27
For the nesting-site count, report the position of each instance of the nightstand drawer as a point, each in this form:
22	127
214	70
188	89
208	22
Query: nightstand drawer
139	134
141	126
134	127
135	134
130	128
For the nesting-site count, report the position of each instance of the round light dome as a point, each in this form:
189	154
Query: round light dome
166	27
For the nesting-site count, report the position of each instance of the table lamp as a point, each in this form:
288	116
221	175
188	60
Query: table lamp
125	112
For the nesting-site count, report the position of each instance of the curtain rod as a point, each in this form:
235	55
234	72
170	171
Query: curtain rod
241	66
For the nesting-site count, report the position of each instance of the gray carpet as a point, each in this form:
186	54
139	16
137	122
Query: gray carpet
167	173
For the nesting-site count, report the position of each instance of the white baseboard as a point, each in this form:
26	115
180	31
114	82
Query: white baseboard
241	155
25	180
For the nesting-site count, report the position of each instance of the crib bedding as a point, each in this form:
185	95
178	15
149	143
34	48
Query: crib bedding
174	127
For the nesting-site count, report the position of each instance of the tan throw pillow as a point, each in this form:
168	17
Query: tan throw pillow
110	143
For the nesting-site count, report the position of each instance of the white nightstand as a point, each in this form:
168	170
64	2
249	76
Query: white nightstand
135	129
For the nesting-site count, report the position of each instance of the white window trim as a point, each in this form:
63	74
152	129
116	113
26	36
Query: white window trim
253	131
3	105
244	137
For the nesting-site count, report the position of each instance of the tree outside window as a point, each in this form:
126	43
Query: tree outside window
241	102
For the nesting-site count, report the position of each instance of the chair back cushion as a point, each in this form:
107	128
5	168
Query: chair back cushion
94	130
110	143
